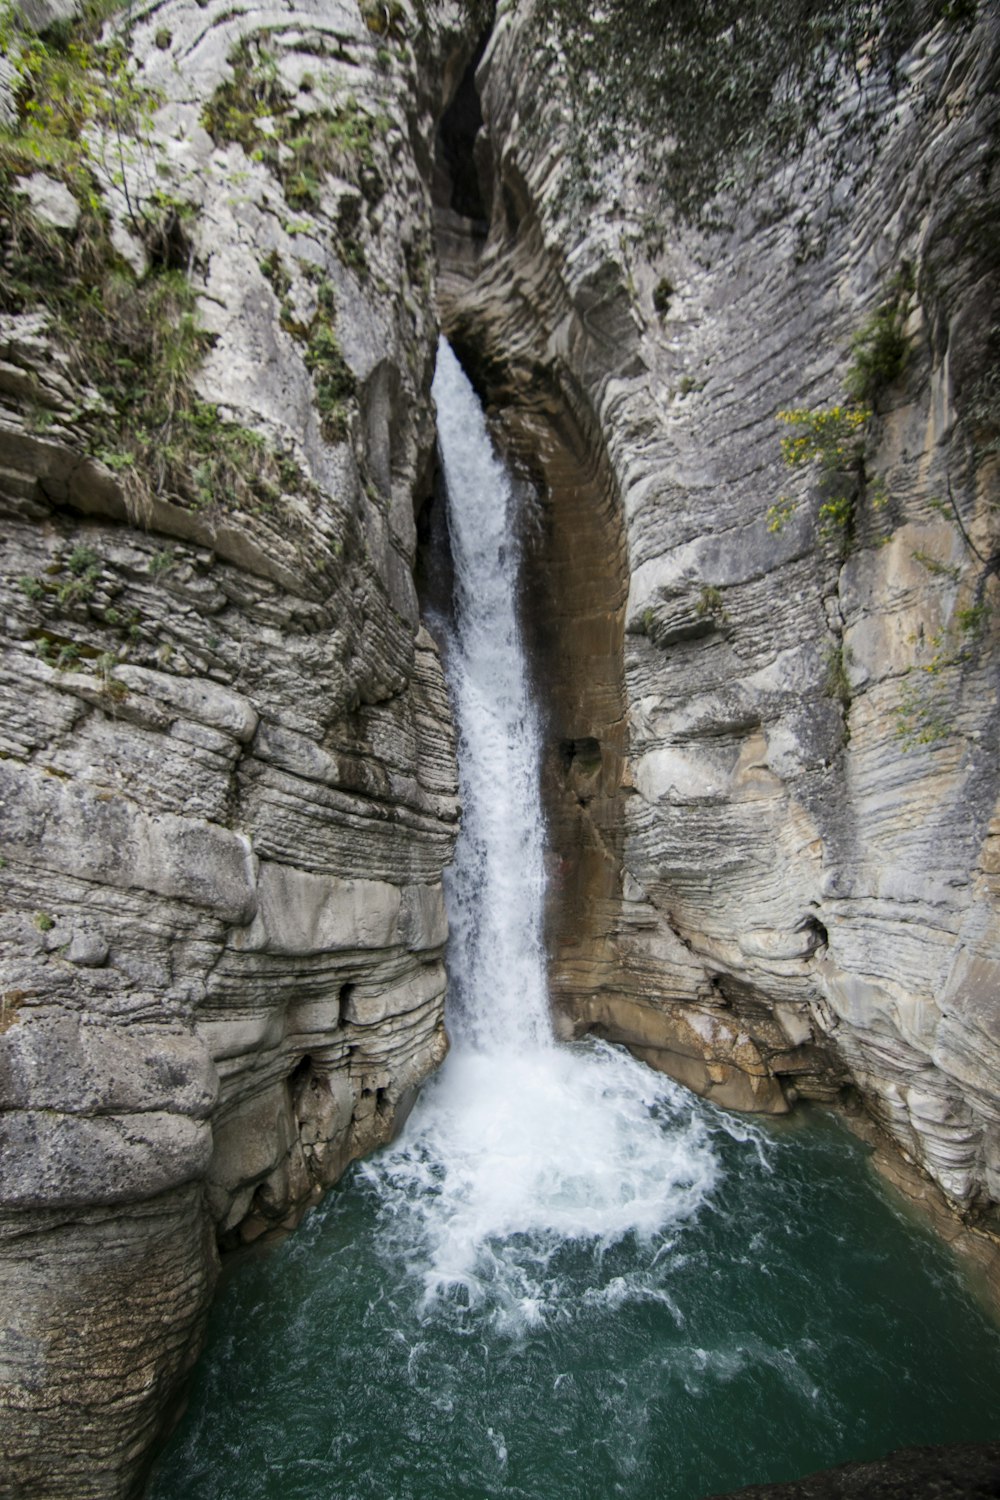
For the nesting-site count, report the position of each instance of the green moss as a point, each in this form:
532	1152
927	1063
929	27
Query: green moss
332	378
880	347
836	683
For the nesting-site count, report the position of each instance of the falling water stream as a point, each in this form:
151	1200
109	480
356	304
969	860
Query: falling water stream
568	1279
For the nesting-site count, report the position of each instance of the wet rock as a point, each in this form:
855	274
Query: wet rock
963	1471
227	770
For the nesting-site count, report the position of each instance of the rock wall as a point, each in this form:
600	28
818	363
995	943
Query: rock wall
227	784
227	779
960	1471
804	899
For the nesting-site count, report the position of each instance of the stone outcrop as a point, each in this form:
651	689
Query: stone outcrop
797	817
227	780
962	1471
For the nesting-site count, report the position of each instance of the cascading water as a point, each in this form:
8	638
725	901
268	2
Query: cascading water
496	886
528	1145
568	1279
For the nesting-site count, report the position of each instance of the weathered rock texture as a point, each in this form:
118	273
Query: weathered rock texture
227	786
801	840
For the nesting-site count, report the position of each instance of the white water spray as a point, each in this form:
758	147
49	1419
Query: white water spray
521	1149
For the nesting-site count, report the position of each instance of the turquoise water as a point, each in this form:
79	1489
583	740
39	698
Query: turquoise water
785	1317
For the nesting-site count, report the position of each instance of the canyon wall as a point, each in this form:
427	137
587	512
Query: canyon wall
227	782
795	872
227	779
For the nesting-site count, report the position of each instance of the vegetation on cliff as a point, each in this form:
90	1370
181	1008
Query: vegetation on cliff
127	317
715	93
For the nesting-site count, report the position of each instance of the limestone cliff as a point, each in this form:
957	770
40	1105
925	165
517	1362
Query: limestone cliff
227	785
227	781
787	785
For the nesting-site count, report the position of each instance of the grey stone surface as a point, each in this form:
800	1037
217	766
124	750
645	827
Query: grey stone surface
51	201
960	1471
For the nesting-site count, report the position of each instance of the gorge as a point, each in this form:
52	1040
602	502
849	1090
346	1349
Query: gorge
567	1277
229	789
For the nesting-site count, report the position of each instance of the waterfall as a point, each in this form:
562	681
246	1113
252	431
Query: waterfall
496	886
520	1146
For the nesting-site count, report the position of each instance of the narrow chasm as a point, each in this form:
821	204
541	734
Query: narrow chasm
569	1274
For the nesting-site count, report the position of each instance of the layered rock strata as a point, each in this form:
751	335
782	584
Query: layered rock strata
805	894
227	780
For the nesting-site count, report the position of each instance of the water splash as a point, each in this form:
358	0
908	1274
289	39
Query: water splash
520	1148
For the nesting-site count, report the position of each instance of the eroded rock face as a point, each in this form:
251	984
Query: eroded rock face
227	780
802	831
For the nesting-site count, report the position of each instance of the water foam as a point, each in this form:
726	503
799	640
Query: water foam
516	1156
